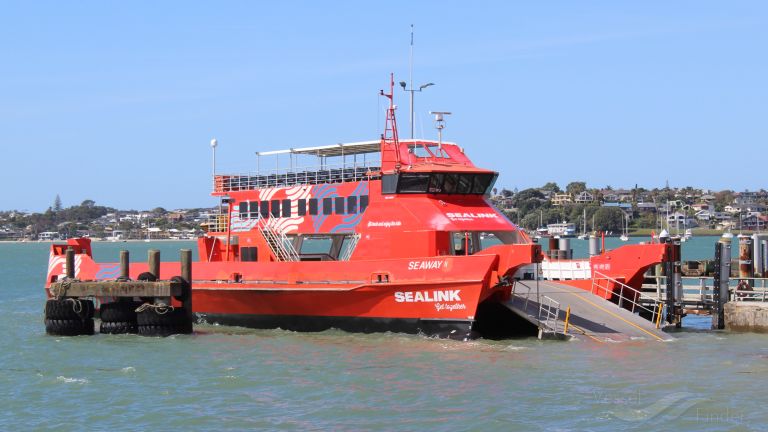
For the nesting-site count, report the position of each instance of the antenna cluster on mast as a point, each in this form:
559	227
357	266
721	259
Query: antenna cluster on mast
412	90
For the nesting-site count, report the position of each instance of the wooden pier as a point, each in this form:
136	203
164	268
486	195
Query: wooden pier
148	305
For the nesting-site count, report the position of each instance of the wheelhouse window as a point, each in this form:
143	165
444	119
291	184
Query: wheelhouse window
413	183
438	183
275	208
243	210
352	205
313	206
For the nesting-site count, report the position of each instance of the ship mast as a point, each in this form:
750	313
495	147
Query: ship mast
389	140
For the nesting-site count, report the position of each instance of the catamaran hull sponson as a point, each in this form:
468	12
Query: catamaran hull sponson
442	328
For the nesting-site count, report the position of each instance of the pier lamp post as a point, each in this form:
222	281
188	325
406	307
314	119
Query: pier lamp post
214	144
412	91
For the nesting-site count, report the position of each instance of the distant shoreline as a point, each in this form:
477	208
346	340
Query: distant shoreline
100	241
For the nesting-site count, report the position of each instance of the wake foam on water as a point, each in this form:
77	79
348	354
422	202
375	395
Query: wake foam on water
72	380
128	369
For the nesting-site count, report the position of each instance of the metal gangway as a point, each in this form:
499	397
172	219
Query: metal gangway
564	311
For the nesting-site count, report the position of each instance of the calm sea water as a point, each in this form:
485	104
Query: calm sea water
235	379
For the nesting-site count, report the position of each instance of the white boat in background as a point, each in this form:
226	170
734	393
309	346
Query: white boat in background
583	234
562	229
625	229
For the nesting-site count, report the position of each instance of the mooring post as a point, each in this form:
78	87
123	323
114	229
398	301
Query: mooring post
125	263
186	274
669	273
745	259
153	260
70	263
720	292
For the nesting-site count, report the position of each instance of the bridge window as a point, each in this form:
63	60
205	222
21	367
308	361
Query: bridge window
327	206
275	208
436	183
352	205
413	183
465	184
301	209
449	186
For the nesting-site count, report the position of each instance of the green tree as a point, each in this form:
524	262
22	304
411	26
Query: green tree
530	221
57	203
551	186
609	219
575	188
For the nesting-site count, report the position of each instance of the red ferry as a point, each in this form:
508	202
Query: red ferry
386	235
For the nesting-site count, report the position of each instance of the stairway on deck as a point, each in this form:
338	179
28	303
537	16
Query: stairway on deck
592	317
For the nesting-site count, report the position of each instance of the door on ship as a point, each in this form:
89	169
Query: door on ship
465	242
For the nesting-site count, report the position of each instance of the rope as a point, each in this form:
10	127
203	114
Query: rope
77	307
62	291
160	309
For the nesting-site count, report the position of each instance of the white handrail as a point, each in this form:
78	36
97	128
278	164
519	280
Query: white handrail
281	245
658	304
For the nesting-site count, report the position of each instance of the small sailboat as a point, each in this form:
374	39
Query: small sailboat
583	234
624	235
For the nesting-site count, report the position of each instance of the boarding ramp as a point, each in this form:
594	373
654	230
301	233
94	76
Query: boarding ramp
562	311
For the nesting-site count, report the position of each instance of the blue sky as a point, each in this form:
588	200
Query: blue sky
117	101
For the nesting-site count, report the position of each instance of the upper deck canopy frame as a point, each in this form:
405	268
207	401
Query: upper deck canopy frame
334	150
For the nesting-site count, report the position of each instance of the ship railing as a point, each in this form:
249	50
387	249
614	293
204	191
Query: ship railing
216	223
282	247
635	301
328	173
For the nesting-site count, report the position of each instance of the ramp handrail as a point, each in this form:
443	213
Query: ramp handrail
658	305
548	312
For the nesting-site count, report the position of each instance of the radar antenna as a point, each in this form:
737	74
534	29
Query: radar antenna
440	125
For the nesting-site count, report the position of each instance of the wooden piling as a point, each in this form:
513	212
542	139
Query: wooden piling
153	260
70	257
186	274
125	263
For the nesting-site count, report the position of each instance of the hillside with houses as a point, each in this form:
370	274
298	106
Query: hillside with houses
608	209
603	209
99	222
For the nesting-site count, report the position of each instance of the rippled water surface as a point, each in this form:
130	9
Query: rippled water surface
236	379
